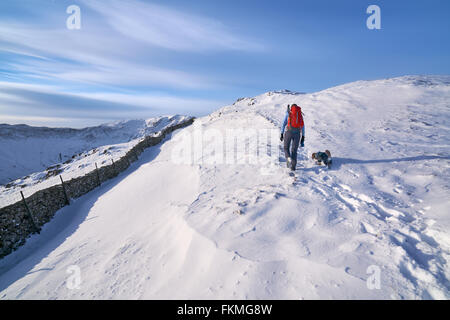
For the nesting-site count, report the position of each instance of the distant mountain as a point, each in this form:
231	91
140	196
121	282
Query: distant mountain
26	149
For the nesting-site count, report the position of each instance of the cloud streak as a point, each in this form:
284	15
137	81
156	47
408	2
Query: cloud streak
168	28
88	58
34	104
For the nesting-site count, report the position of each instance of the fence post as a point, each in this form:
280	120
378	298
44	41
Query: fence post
30	215
98	175
65	191
114	167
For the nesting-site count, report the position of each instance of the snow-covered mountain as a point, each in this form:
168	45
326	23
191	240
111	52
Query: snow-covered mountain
375	225
27	149
31	158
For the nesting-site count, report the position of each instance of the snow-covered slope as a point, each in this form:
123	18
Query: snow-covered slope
33	157
27	149
173	229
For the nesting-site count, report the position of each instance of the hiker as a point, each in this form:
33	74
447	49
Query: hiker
294	134
324	157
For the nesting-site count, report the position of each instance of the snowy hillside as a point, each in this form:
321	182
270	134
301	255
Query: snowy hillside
31	158
240	228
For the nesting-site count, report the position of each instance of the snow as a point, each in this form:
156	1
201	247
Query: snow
27	151
169	228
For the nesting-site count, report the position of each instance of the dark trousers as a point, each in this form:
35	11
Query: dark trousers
291	142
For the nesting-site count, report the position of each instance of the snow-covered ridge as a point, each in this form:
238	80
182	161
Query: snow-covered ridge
33	157
384	204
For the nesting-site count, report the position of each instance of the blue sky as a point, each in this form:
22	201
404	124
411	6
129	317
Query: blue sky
137	59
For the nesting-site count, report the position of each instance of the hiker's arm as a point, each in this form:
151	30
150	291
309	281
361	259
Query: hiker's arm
284	123
303	131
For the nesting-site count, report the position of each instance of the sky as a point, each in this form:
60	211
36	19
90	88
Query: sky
138	59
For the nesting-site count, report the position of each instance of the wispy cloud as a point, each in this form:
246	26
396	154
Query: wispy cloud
160	26
87	57
118	73
26	103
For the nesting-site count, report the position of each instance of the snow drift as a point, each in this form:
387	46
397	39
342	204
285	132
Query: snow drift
374	226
